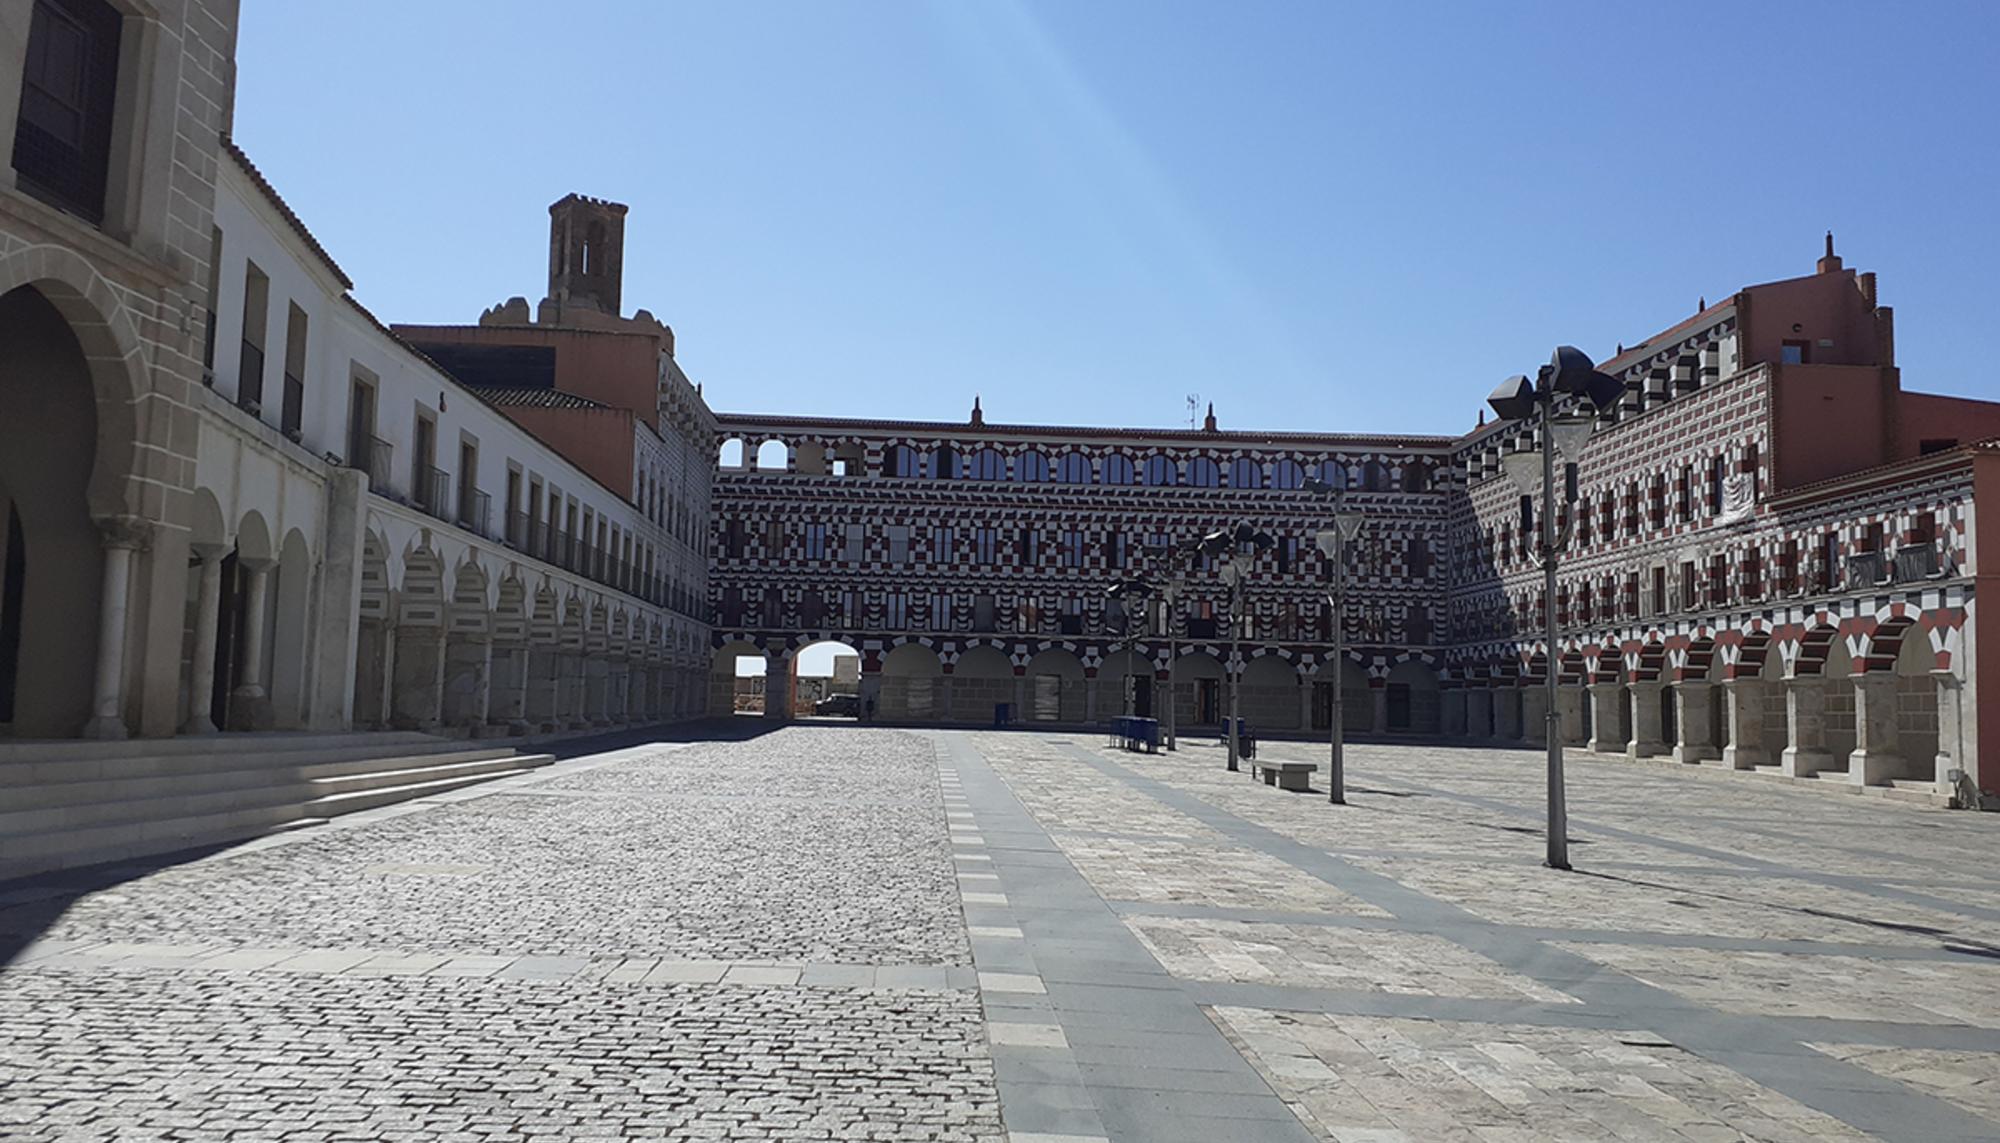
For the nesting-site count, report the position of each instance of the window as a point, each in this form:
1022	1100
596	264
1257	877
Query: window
941	612
987	464
1333	473
1419	558
208	308
1161	472
1795	352
1416	476
1072	548
856	544
944	463
69	86
1287	474
1073	468
986	547
1114	547
1031	468
471	501
1245	473
428	491
815	541
250	364
292	413
982	612
896	610
899	543
1750	468
902	460
1204	473
1031	547
1117	469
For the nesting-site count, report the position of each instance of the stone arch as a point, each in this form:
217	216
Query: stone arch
910	674
732	455
205	524
1356	703
1201	689
982	678
731	690
773	455
1055	685
1415	698
1815	648
810	458
290	632
468	648
1270	693
375	635
417	693
850	458
835	669
1917	725
1125	682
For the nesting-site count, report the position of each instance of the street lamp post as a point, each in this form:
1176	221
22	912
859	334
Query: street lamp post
1238	549
1134	591
1571	380
1171	595
1332	541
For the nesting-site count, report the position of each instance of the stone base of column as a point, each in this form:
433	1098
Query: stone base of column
1744	757
1797	763
1873	767
1694	752
107	728
250	709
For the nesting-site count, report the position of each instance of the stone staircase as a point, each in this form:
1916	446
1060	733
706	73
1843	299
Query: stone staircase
66	804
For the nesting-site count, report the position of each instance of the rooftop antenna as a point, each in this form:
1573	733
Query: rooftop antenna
1193	407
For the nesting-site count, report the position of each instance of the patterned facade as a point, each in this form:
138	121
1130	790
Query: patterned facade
1772	560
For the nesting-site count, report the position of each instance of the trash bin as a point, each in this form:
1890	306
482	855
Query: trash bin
1003	713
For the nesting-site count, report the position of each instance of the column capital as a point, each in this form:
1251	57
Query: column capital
128	532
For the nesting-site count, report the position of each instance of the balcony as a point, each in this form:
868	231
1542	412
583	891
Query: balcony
373	456
475	510
1865	570
433	490
291	416
517	531
1917	561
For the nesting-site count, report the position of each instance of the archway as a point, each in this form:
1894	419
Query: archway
910	676
1357	704
468	645
374	645
732	456
736	679
1055	687
981	680
1125	682
773	456
1199	691
826	680
1916	702
51	558
1271	693
1415	700
291	632
417	695
1838	675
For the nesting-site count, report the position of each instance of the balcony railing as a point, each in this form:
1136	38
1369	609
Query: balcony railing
373	456
291	417
475	511
433	489
517	531
250	379
1917	561
1866	569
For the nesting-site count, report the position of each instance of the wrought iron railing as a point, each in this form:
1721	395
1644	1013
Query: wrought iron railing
433	489
475	510
291	417
250	379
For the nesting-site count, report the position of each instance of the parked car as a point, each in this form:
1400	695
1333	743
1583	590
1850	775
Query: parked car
839	706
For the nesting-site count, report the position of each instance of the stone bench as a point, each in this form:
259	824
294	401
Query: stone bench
1288	775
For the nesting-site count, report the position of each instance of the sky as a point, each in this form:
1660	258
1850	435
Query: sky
1319	216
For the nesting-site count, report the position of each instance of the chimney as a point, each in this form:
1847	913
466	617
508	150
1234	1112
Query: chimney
978	417
1831	262
1208	425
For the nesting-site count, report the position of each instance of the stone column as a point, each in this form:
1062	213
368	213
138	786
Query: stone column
207	623
596	691
1021	685
570	692
941	708
1877	755
249	705
1379	697
1569	704
776	693
1951	731
1506	714
107	719
1451	712
1606	736
1535	714
468	676
1090	698
1694	732
1745	707
508	706
543	684
1646	723
417	695
1805	716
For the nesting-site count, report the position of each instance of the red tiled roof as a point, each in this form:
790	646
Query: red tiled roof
724	421
500	397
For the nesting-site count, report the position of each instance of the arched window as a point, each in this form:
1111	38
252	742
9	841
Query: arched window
1416	476
1287	474
731	454
1374	477
1246	473
1117	469
945	463
773	456
902	460
1031	467
1073	468
1334	473
1161	471
987	464
1204	473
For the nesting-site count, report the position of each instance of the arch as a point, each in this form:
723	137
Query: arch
290	632
822	672
1203	472
1917	725
1118	469
1357	705
1287	473
982	678
732	456
944	462
910	676
375	635
1270	693
1031	467
1125	683
1055	685
1838	672
811	458
205	524
1416	476
902	460
850	458
1200	693
1246	473
1374	476
773	456
1073	468
986	464
1333	473
1160	472
1416	698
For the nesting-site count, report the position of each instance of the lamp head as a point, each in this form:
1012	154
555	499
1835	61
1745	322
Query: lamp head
1523	468
1569	433
1514	399
1348	524
1318	487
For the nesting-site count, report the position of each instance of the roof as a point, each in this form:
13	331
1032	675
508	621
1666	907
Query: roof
1189	436
285	210
509	398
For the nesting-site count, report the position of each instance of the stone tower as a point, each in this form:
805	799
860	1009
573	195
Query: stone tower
586	253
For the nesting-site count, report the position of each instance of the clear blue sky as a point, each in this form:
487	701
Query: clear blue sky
1318	215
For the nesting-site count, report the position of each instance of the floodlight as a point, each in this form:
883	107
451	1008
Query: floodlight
1514	399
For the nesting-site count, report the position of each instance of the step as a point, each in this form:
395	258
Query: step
41	853
463	752
403	771
277	755
368	799
88	749
116	807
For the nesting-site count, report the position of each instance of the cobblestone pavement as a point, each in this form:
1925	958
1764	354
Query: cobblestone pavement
758	940
845	933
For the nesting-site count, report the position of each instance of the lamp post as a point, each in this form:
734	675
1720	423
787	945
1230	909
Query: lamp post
1238	550
1332	541
1572	381
1171	596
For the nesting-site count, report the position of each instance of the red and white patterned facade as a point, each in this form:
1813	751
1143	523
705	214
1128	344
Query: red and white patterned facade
1773	562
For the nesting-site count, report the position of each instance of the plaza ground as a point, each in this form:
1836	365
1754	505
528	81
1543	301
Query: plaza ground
827	932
